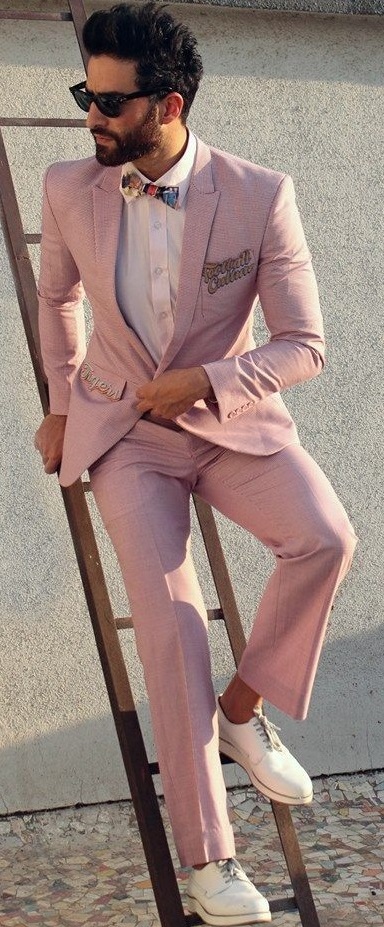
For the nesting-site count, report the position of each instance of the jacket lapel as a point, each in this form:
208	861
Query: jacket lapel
107	208
201	208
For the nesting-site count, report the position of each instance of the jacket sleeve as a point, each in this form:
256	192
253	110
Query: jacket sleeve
61	313
286	287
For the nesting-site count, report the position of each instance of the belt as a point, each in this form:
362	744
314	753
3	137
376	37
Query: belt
163	422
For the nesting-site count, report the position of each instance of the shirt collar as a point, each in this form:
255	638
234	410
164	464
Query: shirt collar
178	176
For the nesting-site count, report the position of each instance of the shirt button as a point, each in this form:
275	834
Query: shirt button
163	315
158	271
157	224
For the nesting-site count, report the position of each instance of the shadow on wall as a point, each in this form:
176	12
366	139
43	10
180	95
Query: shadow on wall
81	764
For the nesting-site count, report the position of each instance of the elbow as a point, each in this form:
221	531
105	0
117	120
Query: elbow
310	359
312	347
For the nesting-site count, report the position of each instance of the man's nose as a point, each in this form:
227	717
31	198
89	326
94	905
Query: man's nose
95	117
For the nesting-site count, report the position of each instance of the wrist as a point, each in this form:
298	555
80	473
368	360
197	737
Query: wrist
207	386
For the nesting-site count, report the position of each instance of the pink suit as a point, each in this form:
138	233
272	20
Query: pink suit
243	241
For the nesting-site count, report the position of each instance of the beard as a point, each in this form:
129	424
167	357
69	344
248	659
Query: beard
131	146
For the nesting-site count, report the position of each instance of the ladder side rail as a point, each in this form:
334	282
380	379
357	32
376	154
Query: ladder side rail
22	271
221	578
302	891
145	801
79	18
132	746
295	865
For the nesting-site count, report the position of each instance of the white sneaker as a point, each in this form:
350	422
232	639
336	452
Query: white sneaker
221	894
271	767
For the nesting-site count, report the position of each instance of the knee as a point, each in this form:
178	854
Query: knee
337	543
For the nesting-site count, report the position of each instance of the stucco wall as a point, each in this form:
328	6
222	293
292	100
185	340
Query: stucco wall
299	93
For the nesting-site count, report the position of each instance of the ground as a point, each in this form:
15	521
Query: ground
85	866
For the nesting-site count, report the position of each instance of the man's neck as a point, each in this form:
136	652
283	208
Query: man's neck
160	161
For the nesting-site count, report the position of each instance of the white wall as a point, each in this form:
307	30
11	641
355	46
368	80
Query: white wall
299	93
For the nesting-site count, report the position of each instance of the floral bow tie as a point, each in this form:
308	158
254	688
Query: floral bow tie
131	186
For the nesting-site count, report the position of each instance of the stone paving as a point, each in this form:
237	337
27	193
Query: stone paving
85	866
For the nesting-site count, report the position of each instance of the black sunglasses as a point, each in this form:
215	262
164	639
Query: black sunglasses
110	104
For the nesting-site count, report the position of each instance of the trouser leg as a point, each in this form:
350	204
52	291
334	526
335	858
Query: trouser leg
142	489
285	501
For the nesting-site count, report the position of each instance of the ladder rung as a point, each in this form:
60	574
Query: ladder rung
41	123
154	767
214	614
283	904
58	17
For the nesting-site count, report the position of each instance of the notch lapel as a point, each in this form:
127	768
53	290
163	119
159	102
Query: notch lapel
107	209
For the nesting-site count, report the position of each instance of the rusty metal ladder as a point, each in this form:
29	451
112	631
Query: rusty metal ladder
139	771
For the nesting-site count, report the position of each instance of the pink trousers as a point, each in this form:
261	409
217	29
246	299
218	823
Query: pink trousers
142	488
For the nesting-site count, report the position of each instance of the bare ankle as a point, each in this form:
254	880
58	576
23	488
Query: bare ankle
239	701
203	865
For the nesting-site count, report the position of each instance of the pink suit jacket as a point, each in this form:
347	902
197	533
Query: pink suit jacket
243	247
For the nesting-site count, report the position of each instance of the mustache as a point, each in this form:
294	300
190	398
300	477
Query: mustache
103	133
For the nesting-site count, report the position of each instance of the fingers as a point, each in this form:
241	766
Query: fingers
51	465
49	440
51	461
38	444
162	408
144	405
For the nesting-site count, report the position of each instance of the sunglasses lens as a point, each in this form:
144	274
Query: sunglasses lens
83	99
108	106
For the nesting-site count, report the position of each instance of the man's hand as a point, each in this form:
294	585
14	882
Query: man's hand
174	392
49	441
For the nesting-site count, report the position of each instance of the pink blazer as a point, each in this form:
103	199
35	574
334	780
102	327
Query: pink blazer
243	248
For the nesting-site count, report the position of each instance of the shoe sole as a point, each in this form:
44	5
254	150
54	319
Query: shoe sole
226	920
230	751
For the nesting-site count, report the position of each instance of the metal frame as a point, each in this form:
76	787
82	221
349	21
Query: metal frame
139	771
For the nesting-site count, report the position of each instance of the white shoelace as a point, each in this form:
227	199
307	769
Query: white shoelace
231	870
268	732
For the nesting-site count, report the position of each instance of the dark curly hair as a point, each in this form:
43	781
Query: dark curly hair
164	50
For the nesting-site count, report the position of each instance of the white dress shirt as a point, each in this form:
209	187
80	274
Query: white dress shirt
147	277
148	258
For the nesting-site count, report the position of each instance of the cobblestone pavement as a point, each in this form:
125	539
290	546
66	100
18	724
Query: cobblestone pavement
85	866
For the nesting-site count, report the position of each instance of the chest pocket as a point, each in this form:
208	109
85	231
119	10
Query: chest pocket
223	282
218	274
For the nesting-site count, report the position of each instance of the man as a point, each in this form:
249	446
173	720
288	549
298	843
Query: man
175	244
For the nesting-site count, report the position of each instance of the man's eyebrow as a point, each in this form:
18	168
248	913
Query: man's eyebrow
103	93
107	93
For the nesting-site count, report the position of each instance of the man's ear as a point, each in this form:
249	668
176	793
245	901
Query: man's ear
171	107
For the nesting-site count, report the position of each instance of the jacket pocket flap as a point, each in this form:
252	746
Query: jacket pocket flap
110	385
